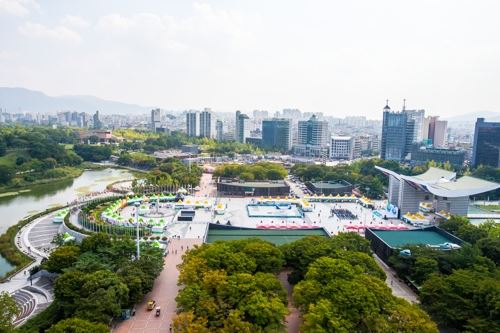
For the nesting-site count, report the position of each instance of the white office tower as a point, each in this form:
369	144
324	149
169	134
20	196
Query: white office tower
313	138
192	128
219	130
342	148
241	127
206	123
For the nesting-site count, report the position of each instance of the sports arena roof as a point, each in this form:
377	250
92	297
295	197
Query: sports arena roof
444	183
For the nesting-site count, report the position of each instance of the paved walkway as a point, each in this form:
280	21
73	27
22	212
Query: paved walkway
23	243
207	187
399	288
293	320
164	292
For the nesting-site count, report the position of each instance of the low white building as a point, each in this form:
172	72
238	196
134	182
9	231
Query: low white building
342	148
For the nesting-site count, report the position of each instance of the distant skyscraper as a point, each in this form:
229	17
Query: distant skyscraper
241	128
192	128
155	119
313	138
206	123
219	130
276	134
397	135
97	121
486	146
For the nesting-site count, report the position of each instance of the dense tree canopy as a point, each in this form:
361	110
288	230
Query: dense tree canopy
458	287
8	310
348	246
336	296
94	153
77	325
235	278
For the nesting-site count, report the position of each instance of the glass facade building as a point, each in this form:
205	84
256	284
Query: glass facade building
398	132
486	149
277	134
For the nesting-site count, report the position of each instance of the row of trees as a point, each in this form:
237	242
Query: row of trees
97	279
340	288
248	172
458	288
231	287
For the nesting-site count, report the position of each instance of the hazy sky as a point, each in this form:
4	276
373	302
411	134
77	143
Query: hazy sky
337	57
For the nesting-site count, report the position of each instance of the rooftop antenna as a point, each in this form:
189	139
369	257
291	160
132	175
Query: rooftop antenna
386	102
404	104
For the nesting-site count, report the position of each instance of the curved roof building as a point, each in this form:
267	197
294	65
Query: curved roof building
437	185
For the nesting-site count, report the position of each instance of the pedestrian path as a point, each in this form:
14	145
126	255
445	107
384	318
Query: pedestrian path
164	292
293	320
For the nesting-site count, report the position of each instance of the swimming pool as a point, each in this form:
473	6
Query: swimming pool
275	210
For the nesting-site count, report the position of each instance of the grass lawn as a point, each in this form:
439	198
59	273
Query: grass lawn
490	207
9	159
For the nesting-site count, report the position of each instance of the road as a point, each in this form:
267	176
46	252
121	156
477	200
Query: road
399	288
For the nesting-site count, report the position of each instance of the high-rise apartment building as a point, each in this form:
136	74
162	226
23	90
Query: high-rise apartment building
206	123
192	128
313	138
155	119
241	127
277	134
486	146
97	121
342	148
435	131
219	130
397	135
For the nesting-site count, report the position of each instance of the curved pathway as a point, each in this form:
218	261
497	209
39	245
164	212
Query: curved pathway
35	240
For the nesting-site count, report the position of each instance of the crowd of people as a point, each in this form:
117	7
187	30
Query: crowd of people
343	214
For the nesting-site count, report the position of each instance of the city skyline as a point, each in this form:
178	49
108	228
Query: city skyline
336	58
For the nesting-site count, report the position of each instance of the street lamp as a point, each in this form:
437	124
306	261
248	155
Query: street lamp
137	204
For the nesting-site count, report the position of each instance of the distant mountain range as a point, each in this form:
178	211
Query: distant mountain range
20	99
471	117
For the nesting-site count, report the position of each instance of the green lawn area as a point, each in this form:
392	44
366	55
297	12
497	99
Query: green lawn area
9	159
490	207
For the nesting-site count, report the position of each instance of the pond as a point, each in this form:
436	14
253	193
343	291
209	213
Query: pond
41	197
